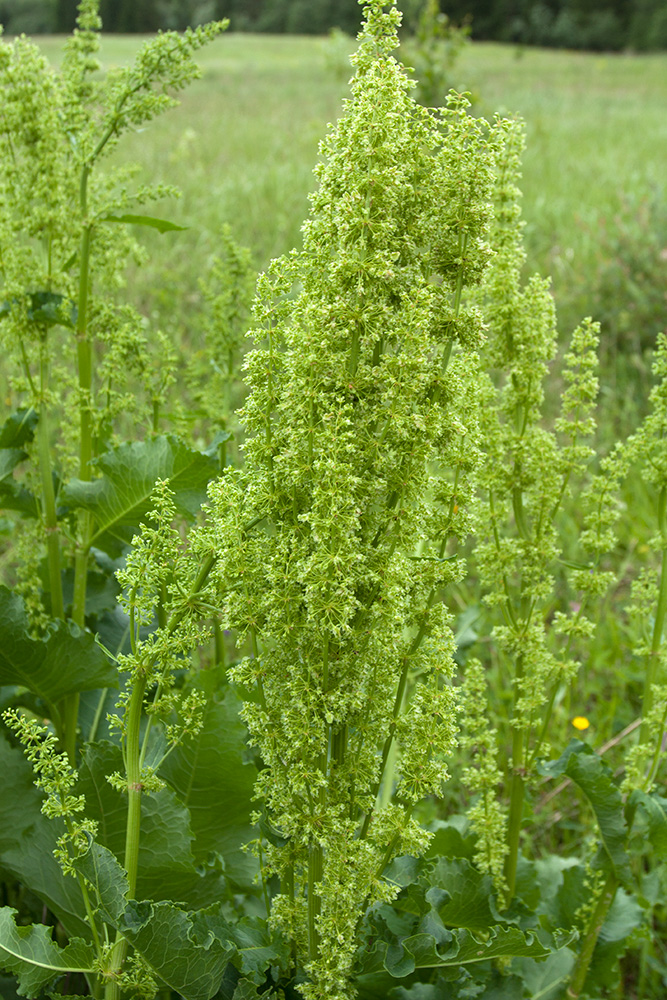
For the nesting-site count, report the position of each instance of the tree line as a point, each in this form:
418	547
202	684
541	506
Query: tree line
580	24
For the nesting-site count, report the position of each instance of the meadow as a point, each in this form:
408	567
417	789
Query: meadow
244	141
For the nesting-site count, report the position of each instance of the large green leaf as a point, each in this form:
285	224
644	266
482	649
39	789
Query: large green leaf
27	841
593	776
461	895
189	951
34	957
103	872
64	661
457	948
121	497
18	429
211	777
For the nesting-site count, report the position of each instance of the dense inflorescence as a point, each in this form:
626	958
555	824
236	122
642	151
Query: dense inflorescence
334	537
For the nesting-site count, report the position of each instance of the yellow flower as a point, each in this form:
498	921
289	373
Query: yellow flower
580	722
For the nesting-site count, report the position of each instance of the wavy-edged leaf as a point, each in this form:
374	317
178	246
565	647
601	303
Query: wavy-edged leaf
593	776
257	947
162	225
461	895
458	948
62	662
34	957
18	429
27	841
188	951
121	497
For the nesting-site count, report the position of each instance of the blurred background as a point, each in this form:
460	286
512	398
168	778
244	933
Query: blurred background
610	25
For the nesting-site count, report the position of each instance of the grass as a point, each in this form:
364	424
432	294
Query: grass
243	143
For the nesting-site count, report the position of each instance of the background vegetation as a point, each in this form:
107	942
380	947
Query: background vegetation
574	24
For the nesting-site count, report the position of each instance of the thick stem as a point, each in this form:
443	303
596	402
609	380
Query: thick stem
132	828
85	374
516	791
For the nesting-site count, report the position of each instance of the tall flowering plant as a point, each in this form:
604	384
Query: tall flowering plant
360	443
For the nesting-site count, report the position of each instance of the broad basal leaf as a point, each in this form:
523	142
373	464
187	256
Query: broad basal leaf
460	895
33	956
121	497
64	661
592	775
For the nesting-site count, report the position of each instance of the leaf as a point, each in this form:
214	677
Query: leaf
545	980
212	768
257	947
461	895
245	990
103	871
188	951
63	661
422	951
453	838
122	496
18	429
32	955
162	225
16	497
27	841
654	808
52	309
592	775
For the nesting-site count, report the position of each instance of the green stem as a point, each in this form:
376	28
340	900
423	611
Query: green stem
598	917
515	813
132	828
48	494
653	663
315	860
85	375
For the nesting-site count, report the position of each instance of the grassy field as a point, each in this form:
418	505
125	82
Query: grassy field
243	143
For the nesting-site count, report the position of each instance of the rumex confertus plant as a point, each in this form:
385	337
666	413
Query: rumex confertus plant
365	380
